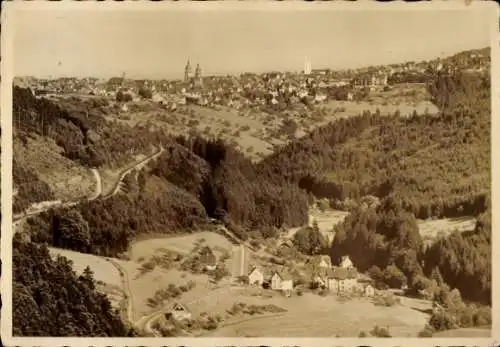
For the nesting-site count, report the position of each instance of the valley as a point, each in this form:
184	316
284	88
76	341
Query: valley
218	218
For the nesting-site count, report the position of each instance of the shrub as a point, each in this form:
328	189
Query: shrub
380	332
426	332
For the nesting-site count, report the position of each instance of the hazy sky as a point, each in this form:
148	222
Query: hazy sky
156	44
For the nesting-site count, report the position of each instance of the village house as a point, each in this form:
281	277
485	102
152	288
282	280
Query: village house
178	312
369	291
341	280
346	262
281	280
256	277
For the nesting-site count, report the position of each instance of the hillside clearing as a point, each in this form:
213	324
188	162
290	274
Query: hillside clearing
183	244
431	229
103	270
66	179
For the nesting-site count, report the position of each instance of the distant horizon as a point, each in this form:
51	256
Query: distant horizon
244	72
156	44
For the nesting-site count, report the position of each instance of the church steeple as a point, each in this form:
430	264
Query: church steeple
197	73
188	71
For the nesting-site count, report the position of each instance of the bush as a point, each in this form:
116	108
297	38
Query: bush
380	332
386	300
426	332
441	320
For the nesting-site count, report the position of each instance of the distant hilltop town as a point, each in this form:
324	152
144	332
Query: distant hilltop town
271	90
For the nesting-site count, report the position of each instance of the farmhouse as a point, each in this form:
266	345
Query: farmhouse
340	280
281	281
178	312
346	262
256	276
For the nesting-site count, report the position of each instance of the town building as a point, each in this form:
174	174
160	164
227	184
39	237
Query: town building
307	67
195	80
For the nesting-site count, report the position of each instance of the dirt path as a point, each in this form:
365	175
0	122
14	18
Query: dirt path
98	186
137	166
125	279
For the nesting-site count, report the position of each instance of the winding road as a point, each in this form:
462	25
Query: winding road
18	219
47	205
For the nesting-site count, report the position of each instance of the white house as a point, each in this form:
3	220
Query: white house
281	281
369	291
256	276
179	312
346	262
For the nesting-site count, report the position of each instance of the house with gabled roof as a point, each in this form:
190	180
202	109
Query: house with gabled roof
178	312
342	280
256	276
346	262
281	280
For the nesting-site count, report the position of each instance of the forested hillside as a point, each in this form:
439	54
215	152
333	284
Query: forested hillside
445	172
51	300
79	127
437	166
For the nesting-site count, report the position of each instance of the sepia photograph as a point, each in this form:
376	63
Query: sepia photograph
247	171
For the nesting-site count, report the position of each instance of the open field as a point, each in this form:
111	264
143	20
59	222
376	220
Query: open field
313	315
464	332
326	221
430	229
66	179
183	244
404	93
144	287
103	270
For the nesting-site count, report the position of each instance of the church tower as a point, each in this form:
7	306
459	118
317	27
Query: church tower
197	76
188	73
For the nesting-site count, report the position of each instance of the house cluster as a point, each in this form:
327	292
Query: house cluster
342	279
274	89
371	80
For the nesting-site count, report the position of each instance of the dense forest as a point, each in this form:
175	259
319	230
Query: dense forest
51	300
385	242
438	166
80	128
